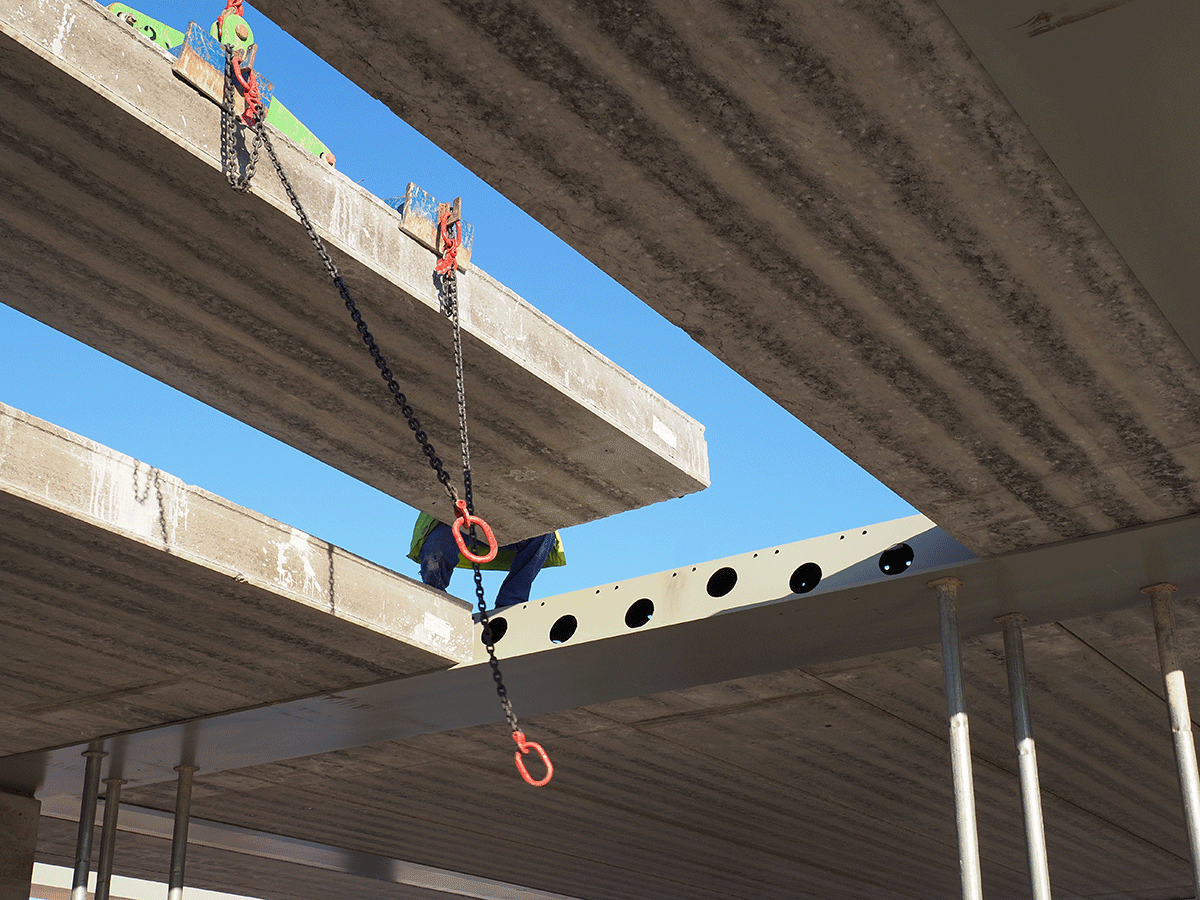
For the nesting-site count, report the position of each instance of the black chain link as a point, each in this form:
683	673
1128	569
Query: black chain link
448	286
239	181
448	290
414	423
449	301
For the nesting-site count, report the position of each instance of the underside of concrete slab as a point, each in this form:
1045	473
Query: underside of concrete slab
737	743
119	229
820	781
19	818
854	218
129	599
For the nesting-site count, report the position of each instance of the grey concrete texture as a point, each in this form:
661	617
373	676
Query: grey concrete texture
143	856
129	599
836	200
119	229
1078	77
19	819
825	781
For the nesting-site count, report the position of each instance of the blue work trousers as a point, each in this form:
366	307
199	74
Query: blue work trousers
439	556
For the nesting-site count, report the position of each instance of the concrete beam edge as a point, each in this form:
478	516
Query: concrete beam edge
325	190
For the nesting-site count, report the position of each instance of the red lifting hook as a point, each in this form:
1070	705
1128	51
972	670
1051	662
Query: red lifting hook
450	243
466	520
524	745
250	92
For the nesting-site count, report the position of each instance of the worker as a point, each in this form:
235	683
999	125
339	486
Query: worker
433	546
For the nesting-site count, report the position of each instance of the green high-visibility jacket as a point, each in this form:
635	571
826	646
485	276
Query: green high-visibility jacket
503	561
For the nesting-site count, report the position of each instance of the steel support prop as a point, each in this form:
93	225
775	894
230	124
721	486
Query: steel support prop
183	809
960	741
1027	768
87	821
108	836
1181	717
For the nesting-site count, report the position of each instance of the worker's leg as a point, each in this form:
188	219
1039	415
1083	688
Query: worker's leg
439	556
531	556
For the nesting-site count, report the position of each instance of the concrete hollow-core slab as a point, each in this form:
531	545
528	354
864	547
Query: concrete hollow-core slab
118	228
129	599
856	220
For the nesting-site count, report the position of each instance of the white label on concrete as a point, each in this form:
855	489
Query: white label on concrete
667	435
437	626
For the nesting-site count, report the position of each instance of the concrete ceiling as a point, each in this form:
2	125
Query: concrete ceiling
837	199
119	229
826	781
765	744
1108	90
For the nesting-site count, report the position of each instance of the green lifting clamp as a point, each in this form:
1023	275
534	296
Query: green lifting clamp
200	56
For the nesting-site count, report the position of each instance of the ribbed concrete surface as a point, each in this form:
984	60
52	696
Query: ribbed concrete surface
129	599
118	228
829	782
835	199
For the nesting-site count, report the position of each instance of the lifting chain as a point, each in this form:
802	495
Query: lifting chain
447	272
239	181
448	295
242	183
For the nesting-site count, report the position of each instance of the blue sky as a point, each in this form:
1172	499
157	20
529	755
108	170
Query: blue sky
774	480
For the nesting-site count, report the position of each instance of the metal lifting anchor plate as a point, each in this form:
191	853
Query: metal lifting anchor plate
419	215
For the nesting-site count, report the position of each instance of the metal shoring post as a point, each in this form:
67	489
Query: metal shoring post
1027	769
1181	717
87	821
183	809
108	836
960	741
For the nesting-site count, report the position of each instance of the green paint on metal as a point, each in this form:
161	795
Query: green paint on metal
162	34
230	33
278	115
282	119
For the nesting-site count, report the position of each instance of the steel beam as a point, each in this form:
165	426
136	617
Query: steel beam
1027	768
1180	715
87	822
690	640
179	836
108	837
960	740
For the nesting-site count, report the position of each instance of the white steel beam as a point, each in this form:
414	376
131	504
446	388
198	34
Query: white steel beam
760	630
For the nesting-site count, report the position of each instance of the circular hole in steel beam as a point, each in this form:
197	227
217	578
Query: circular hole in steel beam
805	578
896	559
499	628
639	613
562	630
721	582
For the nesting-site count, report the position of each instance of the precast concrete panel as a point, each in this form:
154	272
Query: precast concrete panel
118	228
